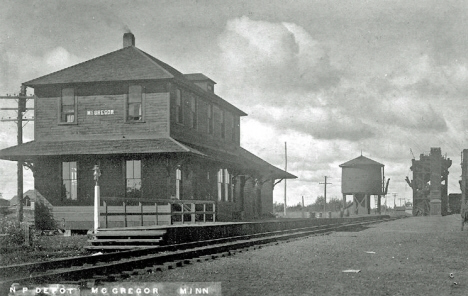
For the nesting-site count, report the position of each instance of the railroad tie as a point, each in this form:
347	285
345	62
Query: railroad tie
170	265
159	268
114	277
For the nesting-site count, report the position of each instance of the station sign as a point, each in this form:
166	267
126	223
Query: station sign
99	112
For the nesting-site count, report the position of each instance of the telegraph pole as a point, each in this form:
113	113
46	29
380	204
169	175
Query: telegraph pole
19	164
464	181
21	98
325	195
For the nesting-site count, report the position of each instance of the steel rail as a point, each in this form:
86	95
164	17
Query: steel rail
120	263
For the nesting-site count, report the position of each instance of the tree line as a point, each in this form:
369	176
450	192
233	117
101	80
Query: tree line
333	205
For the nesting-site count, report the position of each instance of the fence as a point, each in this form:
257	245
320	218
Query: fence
156	212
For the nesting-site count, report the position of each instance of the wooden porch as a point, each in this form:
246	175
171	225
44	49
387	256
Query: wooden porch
120	212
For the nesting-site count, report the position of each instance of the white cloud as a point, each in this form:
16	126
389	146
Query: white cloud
281	56
59	58
22	67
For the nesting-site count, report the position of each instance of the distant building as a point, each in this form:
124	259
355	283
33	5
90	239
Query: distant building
4	202
30	196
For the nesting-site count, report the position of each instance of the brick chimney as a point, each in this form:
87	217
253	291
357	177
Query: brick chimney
128	39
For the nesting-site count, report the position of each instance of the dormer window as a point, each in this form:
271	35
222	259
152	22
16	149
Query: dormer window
68	106
135	103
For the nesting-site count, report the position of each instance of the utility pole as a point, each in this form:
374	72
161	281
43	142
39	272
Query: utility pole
302	208
285	169
464	181
325	195
21	98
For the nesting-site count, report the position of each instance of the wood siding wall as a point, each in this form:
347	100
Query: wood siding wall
200	135
158	182
155	112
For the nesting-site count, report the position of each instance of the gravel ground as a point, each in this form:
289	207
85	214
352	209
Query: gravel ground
413	256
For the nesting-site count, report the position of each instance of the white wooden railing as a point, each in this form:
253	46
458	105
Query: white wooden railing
157	212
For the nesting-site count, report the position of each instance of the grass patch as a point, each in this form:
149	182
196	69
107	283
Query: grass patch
44	248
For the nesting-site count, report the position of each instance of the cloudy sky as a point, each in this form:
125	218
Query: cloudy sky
330	78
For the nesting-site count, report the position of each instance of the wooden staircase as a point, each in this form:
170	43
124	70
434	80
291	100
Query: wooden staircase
119	239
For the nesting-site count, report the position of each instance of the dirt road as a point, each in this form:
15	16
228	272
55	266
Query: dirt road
412	256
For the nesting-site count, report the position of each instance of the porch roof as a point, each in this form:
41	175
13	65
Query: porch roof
34	149
239	158
244	160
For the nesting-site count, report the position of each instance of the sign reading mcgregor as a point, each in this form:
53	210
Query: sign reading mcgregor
99	112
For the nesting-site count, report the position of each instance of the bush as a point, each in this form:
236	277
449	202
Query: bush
5	211
13	235
43	217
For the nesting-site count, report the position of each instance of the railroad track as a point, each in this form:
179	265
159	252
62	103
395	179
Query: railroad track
118	265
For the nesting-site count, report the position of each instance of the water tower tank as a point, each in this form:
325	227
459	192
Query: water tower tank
362	175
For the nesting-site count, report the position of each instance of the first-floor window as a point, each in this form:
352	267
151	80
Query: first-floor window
220	185
70	180
224	185
178	182
227	184
133	178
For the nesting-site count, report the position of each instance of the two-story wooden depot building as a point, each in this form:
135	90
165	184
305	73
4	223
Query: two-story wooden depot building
157	135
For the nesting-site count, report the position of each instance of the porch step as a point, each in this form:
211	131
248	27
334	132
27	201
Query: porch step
125	239
112	248
130	233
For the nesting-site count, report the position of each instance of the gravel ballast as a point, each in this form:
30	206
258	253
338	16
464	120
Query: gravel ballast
411	256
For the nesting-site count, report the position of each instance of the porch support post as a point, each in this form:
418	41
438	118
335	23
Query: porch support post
96	207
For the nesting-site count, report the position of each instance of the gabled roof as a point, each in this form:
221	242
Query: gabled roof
128	63
361	161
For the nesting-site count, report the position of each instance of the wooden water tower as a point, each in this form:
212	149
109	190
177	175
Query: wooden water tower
361	178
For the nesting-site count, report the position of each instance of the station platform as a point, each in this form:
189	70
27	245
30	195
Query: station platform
124	238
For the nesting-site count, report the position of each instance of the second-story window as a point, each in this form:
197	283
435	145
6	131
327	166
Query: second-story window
223	124
135	103
210	119
133	178
229	126
217	120
68	106
233	129
193	112
179	107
